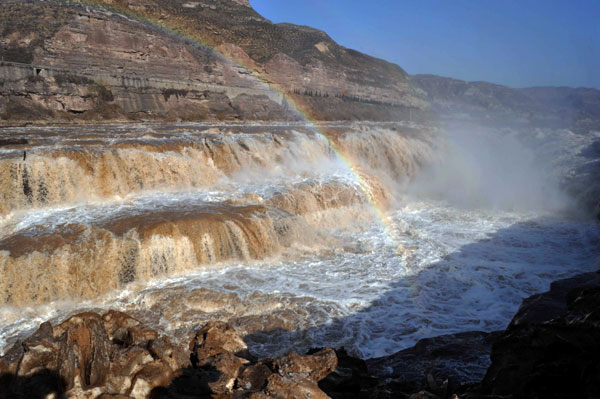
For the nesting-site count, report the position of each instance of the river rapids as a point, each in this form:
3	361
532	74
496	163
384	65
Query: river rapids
368	236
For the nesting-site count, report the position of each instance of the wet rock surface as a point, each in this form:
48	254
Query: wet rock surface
115	356
552	304
460	358
433	368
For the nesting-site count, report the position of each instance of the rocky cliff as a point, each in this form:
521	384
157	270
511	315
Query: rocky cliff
190	60
221	60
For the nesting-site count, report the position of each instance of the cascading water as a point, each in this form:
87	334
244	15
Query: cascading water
296	239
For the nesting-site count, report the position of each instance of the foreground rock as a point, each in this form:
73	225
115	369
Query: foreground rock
547	306
552	347
437	367
115	356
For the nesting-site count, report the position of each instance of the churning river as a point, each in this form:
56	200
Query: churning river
369	236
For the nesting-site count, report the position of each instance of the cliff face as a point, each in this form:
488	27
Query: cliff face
190	60
94	64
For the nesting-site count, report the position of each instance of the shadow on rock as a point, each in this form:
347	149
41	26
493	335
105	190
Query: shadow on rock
222	367
39	385
457	363
555	357
198	383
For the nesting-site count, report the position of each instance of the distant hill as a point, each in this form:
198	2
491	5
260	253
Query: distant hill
551	106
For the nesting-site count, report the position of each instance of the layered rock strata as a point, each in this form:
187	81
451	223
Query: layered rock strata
144	59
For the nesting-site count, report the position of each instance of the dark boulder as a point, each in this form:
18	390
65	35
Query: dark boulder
350	380
434	367
556	358
462	358
551	304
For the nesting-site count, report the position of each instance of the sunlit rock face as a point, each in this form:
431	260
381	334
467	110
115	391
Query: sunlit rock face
115	355
93	64
121	60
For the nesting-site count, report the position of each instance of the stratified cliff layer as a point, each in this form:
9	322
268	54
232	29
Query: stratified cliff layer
202	60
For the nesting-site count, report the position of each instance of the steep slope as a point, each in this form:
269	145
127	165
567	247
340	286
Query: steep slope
143	59
217	23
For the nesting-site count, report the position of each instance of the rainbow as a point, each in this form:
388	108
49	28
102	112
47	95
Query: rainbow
303	113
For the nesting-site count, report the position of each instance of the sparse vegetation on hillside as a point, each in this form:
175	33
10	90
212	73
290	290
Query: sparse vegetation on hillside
229	22
16	110
27	25
35	79
103	95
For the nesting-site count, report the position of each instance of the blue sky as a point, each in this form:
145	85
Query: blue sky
519	43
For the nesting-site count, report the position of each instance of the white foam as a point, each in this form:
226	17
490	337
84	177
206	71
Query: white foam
444	269
462	270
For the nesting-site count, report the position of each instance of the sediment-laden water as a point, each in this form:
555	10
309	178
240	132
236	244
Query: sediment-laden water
296	239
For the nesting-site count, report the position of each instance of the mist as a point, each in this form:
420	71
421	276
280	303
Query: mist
482	168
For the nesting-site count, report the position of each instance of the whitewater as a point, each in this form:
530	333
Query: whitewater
425	232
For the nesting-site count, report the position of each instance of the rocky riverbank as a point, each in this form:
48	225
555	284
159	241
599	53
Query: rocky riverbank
550	350
115	356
